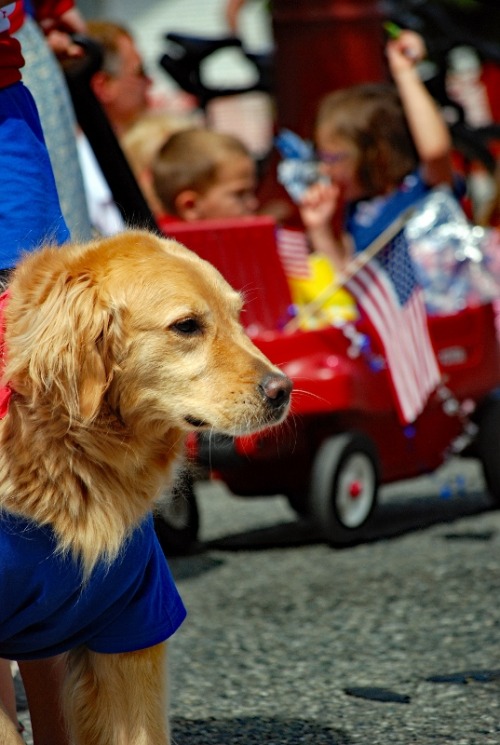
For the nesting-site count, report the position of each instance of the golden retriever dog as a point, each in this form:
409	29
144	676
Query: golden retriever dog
113	351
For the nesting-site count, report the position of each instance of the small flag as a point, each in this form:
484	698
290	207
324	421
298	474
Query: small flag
387	291
293	251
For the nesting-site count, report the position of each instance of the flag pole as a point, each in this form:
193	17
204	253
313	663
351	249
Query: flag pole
358	262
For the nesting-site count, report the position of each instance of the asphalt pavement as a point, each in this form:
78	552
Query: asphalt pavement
289	641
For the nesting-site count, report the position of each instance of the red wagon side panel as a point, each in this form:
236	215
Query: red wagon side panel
244	251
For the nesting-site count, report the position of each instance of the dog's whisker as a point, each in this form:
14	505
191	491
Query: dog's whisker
306	393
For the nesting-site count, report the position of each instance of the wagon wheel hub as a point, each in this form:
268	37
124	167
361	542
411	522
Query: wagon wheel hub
355	489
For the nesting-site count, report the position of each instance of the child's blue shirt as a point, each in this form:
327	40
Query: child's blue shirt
368	218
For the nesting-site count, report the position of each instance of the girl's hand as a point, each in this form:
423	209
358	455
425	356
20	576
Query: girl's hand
318	205
405	52
317	208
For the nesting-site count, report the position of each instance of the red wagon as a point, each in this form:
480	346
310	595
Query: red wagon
344	438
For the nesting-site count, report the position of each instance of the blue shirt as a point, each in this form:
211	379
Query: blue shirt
368	218
45	608
30	213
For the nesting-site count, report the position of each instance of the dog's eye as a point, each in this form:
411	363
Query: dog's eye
187	326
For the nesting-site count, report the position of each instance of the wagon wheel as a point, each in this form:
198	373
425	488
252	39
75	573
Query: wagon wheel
344	486
299	502
177	518
486	445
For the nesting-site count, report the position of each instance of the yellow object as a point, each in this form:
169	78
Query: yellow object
339	308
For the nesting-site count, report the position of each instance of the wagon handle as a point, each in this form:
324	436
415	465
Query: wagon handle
358	262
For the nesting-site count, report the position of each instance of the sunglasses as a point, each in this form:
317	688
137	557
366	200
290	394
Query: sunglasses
331	159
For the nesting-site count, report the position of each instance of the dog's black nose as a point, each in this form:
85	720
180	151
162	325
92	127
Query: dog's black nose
276	388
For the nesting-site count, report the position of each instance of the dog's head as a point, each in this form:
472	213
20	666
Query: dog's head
142	329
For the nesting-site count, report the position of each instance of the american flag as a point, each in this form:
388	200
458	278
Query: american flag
387	291
293	251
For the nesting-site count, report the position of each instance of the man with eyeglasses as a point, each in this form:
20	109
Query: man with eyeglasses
121	85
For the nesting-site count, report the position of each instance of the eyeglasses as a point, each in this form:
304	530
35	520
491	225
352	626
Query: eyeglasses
331	159
115	68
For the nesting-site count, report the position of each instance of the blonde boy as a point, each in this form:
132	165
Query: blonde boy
201	174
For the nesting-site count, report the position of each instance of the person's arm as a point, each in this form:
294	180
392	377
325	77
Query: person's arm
231	14
43	683
58	20
427	126
7	694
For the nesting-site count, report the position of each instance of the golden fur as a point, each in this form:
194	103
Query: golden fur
115	350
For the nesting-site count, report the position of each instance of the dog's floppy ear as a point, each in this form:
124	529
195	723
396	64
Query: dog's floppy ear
96	371
59	346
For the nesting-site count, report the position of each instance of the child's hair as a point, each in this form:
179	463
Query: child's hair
146	137
371	116
191	159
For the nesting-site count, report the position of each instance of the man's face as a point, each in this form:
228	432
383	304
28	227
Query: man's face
124	96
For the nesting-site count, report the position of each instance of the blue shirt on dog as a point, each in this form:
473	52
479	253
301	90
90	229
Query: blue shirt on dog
45	608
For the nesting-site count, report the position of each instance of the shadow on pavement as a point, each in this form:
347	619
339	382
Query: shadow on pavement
198	564
466	677
407	514
281	535
254	731
401	515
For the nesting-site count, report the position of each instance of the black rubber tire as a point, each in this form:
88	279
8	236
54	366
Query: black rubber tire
342	463
487	446
177	519
299	503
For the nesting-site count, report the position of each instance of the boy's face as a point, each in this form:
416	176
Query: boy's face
233	194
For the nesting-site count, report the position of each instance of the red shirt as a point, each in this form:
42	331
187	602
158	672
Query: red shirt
11	59
11	19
